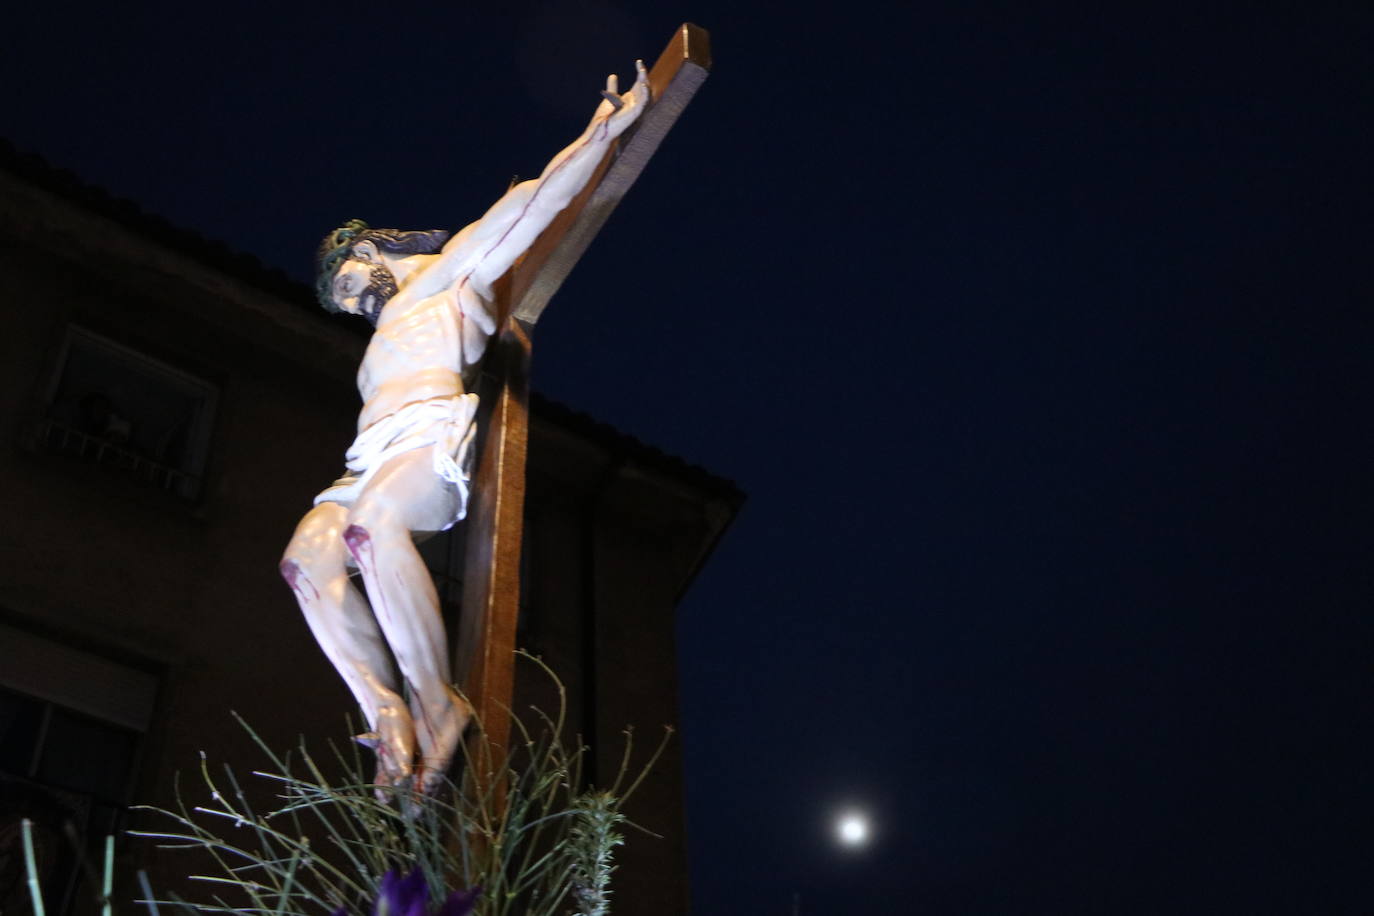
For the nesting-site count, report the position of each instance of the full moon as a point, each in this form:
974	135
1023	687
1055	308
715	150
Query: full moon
852	829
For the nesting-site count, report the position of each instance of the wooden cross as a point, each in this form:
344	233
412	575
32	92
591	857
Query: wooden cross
484	662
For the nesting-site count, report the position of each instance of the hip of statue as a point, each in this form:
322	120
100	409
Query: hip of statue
442	426
393	394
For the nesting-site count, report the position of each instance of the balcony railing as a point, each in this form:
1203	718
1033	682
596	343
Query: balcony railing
55	437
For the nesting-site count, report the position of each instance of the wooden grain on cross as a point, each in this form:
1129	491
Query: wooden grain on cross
491	582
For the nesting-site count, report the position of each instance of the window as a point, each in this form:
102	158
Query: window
134	416
71	729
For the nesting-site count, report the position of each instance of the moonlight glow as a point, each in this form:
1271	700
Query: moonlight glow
852	829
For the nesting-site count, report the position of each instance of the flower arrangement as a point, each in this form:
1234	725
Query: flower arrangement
517	835
409	896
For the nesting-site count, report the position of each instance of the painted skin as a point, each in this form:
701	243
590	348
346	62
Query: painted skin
430	334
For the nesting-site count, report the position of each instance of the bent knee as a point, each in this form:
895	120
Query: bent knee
357	540
367	524
300	581
316	547
362	537
309	562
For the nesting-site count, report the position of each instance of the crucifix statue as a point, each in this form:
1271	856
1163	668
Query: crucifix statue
436	300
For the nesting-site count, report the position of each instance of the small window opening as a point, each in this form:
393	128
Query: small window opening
130	414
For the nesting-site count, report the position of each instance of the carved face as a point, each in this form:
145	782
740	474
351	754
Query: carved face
364	284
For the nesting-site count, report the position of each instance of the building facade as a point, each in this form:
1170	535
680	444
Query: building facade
169	409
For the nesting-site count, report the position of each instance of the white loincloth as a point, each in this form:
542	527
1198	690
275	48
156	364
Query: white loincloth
443	424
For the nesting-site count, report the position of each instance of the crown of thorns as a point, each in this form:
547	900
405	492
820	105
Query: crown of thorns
333	252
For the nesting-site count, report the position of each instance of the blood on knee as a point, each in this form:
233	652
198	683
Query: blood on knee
357	539
295	578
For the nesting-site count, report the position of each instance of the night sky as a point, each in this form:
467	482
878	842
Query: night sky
1039	340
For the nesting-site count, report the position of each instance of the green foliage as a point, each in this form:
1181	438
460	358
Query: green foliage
31	869
523	828
590	841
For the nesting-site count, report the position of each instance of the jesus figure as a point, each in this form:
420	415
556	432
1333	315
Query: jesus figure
429	298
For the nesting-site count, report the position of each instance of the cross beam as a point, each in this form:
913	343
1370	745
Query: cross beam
484	663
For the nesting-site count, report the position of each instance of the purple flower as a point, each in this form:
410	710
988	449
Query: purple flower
409	896
459	903
402	896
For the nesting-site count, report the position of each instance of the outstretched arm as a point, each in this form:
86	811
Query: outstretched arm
487	248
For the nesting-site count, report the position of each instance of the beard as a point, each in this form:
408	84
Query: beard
380	288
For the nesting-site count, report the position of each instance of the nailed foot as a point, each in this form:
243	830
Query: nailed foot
394	742
439	726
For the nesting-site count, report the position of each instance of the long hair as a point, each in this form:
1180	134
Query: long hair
338	245
397	241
